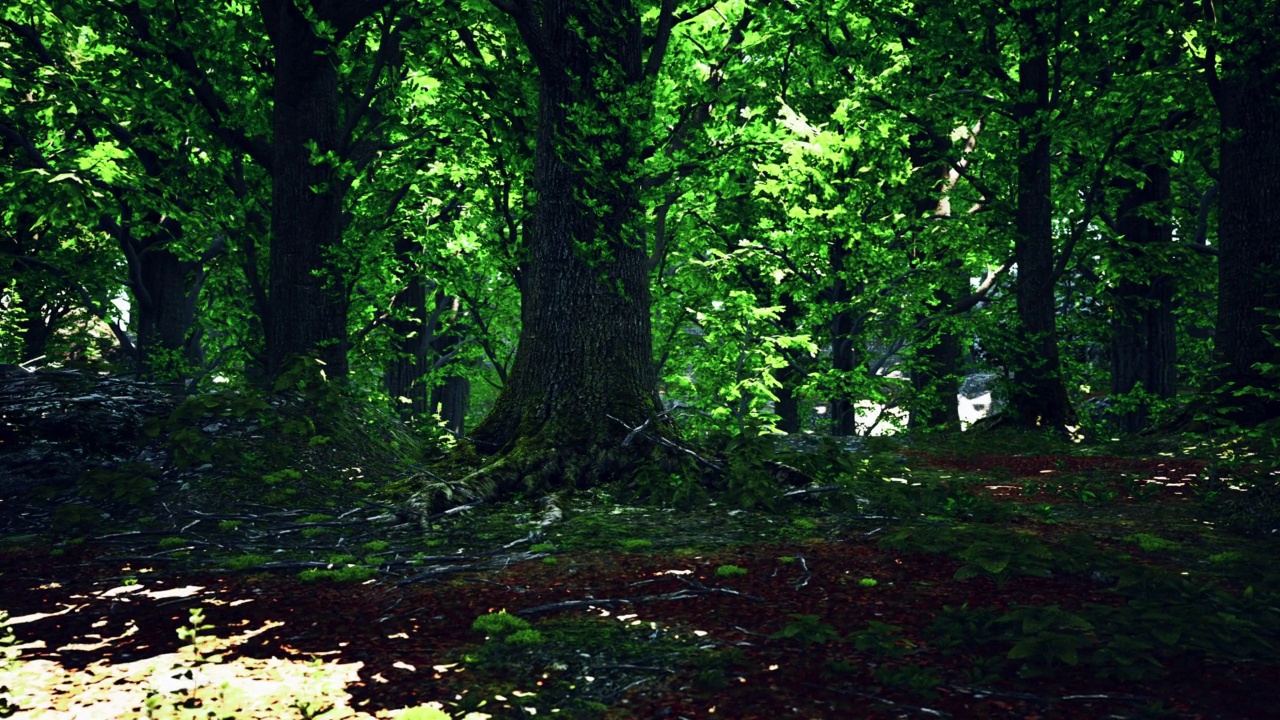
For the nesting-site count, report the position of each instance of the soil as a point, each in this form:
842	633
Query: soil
828	612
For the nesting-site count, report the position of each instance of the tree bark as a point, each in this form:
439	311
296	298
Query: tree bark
1039	396
584	365
1248	97
307	296
1143	339
413	328
845	329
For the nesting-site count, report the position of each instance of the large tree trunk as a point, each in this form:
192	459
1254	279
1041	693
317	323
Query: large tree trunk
308	301
1040	398
1143	341
1248	98
584	366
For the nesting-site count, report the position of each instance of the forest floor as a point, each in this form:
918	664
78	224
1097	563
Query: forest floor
1031	585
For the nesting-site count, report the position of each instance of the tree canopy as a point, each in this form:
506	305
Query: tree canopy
557	222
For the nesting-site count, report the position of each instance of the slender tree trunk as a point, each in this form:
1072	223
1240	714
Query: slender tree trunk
1040	398
1248	96
1143	341
844	336
452	399
413	328
935	372
308	302
584	363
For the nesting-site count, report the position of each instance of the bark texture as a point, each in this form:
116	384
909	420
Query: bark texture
307	313
585	349
1143	341
1039	397
1248	98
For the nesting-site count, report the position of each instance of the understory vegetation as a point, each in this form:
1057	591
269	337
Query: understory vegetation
993	573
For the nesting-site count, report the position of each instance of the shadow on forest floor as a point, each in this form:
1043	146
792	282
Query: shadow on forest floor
1042	585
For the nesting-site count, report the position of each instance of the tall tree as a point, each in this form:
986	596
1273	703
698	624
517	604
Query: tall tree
584	365
1143	347
1040	397
1247	92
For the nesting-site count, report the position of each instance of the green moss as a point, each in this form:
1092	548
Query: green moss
353	573
525	638
171	542
499	623
244	562
1152	543
726	571
633	544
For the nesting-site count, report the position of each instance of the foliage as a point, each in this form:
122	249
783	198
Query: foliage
347	574
807	630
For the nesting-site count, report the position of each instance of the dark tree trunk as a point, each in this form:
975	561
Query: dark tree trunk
844	335
936	375
307	313
1039	396
1143	341
935	372
413	327
166	289
452	400
584	362
1248	97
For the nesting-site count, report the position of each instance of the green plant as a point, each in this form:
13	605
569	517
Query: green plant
807	630
351	573
341	559
198	646
786	559
882	639
525	638
500	623
1227	556
998	560
229	525
633	544
1152	543
1046	636
867	582
280	476
131	484
171	542
542	547
803	524
244	562
726	571
963	628
917	679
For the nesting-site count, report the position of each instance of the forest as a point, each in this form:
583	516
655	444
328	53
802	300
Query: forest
864	359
